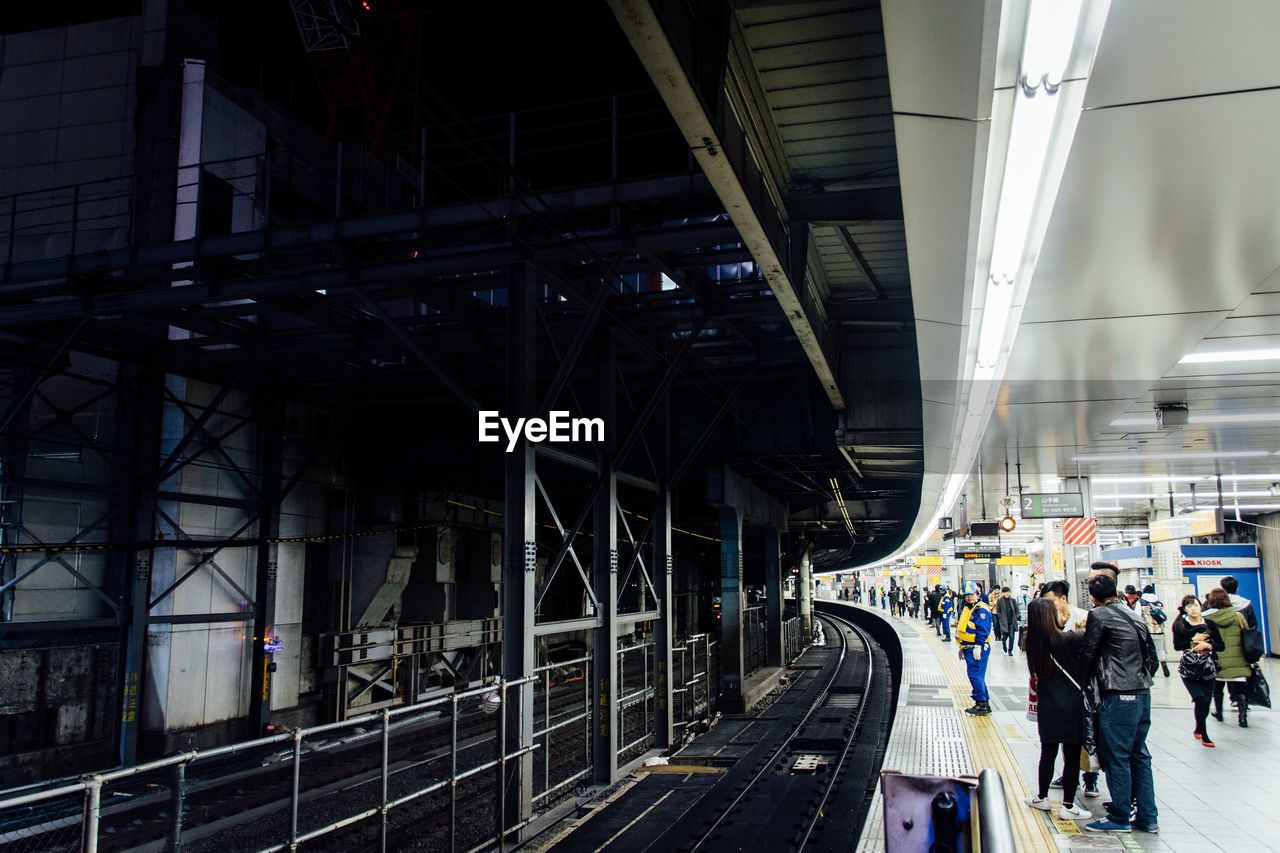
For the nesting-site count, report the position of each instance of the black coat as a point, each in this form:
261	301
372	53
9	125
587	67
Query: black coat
1061	703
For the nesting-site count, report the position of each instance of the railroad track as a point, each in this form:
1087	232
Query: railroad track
796	781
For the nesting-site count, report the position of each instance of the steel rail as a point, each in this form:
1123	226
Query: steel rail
777	753
844	753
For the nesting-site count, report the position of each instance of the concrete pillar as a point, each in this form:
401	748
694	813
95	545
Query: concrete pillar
773	597
806	594
732	661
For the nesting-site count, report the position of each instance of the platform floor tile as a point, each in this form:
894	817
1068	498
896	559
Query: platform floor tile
1220	799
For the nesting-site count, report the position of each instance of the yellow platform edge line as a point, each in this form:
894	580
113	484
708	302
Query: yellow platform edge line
988	749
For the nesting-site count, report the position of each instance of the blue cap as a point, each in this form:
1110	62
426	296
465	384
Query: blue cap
969	587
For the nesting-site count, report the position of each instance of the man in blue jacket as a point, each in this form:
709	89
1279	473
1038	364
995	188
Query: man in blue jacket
972	632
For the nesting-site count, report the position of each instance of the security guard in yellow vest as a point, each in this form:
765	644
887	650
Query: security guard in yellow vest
972	632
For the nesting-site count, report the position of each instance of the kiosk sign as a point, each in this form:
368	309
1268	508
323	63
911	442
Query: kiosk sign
1061	505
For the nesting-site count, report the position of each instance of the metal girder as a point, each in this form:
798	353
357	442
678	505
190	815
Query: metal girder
762	230
158	260
264	611
663	566
604	567
846	240
21	400
519	565
872	204
413	347
567	543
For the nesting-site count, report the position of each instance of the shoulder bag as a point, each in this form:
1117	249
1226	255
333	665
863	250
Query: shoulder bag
1089	724
1250	644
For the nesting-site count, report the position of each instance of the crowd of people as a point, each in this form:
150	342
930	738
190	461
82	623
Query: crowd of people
1091	674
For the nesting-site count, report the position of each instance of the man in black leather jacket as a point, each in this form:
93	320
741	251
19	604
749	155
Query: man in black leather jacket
1118	654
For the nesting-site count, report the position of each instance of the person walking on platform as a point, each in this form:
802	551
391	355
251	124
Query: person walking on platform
931	602
945	605
1052	656
972	631
1153	611
915	602
1117	653
1239	602
1235	670
1007	618
1199	640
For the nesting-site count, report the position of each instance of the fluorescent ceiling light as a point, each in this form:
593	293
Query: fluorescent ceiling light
1240	506
1215	418
1116	508
1187	495
1192	454
995	319
1237	355
1190	478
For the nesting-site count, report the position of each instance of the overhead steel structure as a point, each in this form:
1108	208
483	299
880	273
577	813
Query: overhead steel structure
246	369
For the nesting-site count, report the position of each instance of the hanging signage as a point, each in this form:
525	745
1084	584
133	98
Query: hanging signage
978	555
1060	505
1203	522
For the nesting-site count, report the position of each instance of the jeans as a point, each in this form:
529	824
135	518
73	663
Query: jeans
977	672
1010	640
1122	747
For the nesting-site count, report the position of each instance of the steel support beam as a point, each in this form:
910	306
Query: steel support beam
520	550
136	467
763	230
773	654
604	570
264	612
664	629
732	658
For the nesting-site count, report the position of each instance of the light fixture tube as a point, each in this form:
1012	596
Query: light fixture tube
1238	355
1214	418
1193	454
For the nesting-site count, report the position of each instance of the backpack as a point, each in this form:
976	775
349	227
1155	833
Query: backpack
1157	614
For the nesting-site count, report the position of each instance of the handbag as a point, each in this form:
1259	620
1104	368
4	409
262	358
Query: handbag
1033	700
1258	691
1198	666
1089	723
1251	644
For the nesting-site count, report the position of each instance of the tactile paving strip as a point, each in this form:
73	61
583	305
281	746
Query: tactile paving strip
928	741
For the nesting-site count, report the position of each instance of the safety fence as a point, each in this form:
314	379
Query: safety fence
438	772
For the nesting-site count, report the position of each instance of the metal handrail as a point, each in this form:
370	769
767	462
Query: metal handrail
995	824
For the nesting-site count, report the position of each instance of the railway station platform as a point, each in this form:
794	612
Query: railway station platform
1208	799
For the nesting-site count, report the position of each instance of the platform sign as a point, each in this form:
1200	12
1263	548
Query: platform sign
1203	522
1059	505
978	555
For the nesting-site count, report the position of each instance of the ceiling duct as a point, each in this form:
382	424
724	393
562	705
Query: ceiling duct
1171	415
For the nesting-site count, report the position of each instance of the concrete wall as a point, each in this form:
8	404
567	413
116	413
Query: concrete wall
67	98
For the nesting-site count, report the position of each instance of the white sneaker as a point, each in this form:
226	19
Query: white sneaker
1073	812
1041	803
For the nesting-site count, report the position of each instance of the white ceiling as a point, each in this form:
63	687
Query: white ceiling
1164	240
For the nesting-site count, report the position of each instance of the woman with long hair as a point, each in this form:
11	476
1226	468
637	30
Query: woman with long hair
1235	670
1197	637
1051	658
